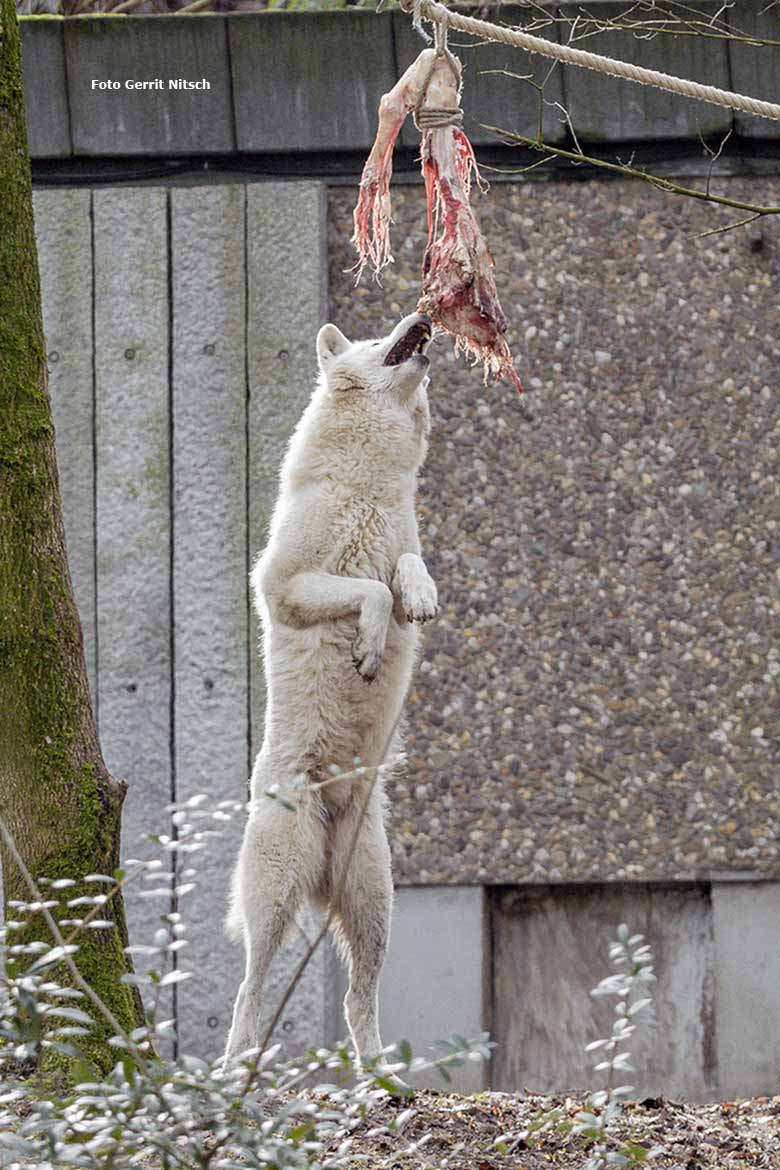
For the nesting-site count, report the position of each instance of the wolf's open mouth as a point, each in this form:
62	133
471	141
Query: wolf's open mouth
413	341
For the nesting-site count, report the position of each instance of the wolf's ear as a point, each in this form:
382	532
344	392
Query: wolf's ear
330	343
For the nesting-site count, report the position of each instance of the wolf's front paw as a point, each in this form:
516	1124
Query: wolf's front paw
420	600
367	656
369	645
414	589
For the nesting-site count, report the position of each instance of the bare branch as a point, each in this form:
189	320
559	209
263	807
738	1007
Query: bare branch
659	181
730	227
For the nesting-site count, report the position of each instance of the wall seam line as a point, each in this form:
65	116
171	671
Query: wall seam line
95	575
247	481
171	596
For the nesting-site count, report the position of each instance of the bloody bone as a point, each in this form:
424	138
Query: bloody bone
458	286
372	213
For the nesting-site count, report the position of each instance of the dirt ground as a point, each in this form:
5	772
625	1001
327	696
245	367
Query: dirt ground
460	1134
730	1135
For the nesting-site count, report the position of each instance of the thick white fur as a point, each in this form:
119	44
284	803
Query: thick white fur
338	588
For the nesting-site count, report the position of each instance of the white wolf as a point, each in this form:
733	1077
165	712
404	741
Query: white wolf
338	588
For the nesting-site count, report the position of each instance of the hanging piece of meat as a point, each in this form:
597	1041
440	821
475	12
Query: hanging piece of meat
458	286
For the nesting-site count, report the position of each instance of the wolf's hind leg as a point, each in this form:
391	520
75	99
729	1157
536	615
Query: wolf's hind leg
363	912
280	863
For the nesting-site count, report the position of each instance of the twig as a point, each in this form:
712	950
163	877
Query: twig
714	154
67	958
730	227
663	184
97	909
669	27
125	6
195	6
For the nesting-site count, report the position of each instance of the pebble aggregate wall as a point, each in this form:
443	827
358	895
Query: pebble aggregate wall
600	695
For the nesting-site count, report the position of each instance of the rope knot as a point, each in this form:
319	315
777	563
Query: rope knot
434	117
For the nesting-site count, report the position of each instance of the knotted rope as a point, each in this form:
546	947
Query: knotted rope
434	117
439	15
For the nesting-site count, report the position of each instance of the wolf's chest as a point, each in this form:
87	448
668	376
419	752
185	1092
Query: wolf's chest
364	543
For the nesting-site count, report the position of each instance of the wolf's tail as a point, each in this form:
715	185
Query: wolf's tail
234	919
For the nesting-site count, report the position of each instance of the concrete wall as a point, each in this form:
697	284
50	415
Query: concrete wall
180	327
437	978
170	422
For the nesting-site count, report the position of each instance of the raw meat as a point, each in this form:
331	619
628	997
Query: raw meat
458	286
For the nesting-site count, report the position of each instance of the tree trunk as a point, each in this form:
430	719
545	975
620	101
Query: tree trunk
56	796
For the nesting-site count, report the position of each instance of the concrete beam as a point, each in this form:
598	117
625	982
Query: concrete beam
755	69
747	981
210	635
606	109
45	88
165	121
435	979
310	83
133	519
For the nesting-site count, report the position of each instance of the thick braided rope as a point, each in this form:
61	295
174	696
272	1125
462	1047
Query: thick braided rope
432	10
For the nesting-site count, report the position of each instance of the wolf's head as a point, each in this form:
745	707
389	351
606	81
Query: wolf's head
367	423
391	368
375	392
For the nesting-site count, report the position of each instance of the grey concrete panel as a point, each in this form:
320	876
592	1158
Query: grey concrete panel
605	109
309	82
64	232
287	304
747	979
209	575
45	94
493	98
133	516
154	121
551	949
755	69
434	983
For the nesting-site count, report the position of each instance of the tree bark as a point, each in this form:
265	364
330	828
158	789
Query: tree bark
56	796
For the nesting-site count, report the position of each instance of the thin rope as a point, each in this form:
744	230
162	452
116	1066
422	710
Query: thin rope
438	14
417	20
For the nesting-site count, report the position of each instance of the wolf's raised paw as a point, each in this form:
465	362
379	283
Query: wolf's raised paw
420	601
